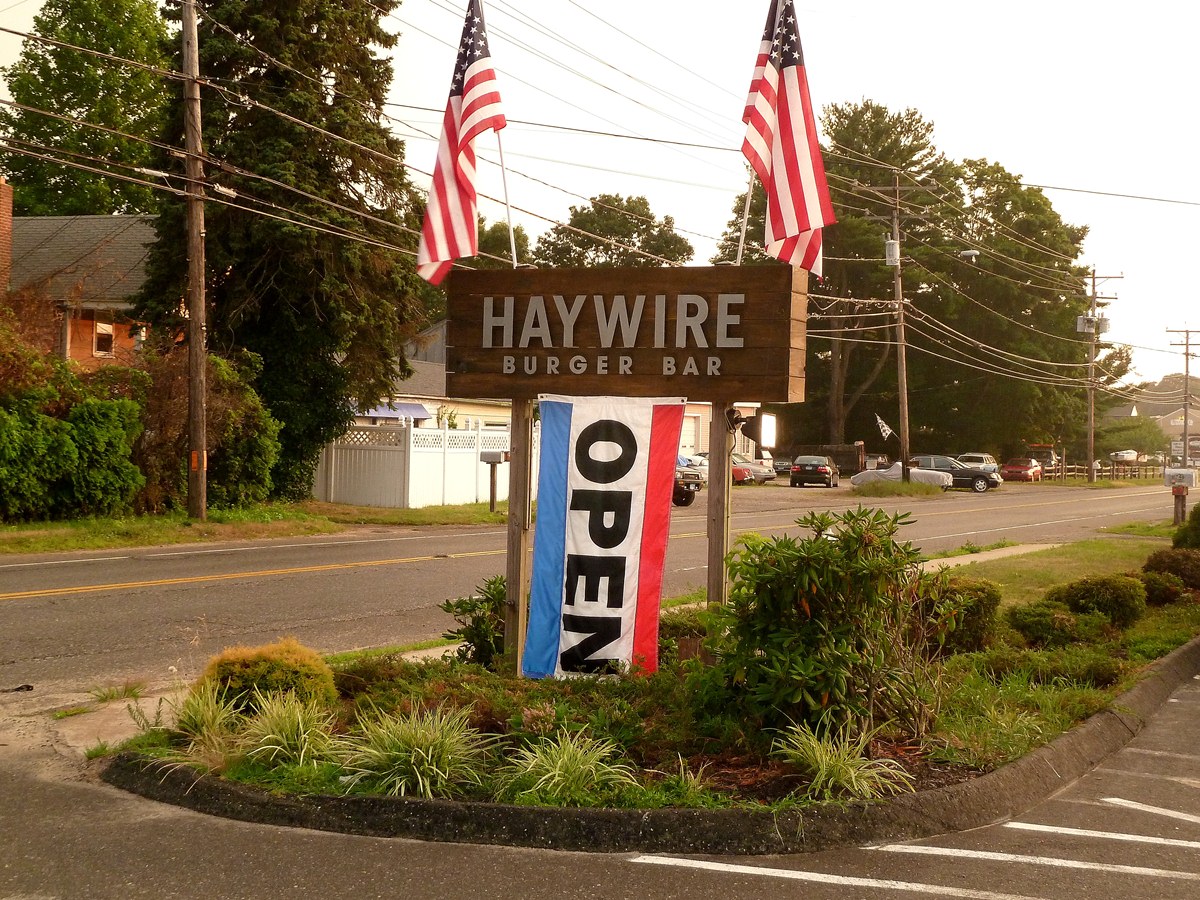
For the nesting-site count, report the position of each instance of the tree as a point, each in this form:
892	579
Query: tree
1020	296
613	231
94	91
326	314
495	249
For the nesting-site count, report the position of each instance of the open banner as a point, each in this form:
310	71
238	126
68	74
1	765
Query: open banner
600	544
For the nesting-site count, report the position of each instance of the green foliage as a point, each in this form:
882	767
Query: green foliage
973	615
1051	623
105	480
246	673
481	622
36	454
622	226
327	316
82	87
1184	563
1188	534
425	754
824	630
1161	587
1085	665
207	712
570	769
286	730
1121	598
838	765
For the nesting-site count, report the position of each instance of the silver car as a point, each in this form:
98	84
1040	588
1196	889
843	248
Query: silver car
894	473
984	461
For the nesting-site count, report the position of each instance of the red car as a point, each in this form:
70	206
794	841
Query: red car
1021	469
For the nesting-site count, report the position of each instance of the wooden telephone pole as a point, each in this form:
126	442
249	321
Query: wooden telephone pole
197	344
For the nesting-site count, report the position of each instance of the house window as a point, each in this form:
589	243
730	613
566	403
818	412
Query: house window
102	344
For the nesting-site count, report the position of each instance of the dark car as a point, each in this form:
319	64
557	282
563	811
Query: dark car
688	482
814	470
963	476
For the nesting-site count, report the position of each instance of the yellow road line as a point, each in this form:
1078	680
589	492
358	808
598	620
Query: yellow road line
262	573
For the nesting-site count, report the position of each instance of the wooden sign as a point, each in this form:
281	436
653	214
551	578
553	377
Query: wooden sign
705	333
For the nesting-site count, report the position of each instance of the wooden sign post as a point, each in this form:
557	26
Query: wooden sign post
716	334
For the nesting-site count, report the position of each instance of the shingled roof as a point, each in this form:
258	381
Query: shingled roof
92	260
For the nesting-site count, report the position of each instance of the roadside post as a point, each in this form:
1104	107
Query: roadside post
493	458
1180	492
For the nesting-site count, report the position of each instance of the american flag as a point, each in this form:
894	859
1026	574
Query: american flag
451	229
781	144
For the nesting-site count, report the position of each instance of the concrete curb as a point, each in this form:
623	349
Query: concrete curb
982	801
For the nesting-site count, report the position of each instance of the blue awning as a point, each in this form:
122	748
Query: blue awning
396	409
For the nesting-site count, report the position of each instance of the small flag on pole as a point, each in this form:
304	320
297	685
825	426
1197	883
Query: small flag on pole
883	428
781	145
451	228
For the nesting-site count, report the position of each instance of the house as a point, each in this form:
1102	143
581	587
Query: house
70	280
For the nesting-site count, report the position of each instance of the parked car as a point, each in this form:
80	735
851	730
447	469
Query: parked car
963	476
894	472
814	470
1124	456
876	461
757	471
1021	468
984	461
699	462
781	465
688	482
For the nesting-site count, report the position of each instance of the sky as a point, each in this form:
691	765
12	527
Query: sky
1091	96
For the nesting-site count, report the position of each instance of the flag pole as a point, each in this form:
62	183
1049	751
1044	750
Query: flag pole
512	237
745	220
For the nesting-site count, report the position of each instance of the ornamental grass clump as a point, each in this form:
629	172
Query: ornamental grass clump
206	713
429	754
287	730
569	769
838	766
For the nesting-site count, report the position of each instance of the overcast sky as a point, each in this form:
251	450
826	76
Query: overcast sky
1095	96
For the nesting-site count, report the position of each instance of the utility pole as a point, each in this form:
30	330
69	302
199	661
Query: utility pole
1187	389
901	356
1093	325
197	349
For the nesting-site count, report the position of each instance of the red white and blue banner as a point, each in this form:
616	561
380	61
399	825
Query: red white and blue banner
600	544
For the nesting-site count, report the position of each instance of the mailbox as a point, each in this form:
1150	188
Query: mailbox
493	456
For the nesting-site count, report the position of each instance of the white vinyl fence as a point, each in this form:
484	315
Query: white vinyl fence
404	467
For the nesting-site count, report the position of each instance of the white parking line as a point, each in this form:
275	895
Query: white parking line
1105	835
840	880
1163	753
1174	779
1155	810
1039	861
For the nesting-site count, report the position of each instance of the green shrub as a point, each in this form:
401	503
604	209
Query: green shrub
1081	665
1051	623
1188	534
820	630
1184	563
286	730
1161	587
105	479
243	435
974	613
37	455
480	618
286	666
1121	598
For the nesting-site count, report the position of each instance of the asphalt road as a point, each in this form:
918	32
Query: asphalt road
137	613
1131	829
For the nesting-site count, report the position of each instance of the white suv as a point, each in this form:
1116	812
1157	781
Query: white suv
984	461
